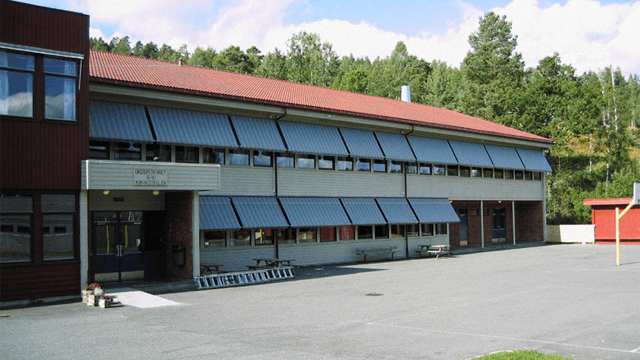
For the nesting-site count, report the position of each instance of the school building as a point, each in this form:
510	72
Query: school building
117	168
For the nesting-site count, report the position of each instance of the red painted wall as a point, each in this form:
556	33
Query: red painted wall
603	217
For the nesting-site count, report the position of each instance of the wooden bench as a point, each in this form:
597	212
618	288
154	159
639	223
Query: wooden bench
381	250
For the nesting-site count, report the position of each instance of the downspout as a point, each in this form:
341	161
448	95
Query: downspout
275	178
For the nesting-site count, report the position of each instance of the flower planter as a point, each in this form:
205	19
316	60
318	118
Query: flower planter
85	295
104	303
92	300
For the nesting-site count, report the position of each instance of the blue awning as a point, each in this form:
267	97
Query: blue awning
312	212
312	138
192	127
259	212
216	213
361	143
257	133
115	121
434	210
395	146
432	150
397	210
470	154
504	157
534	160
363	211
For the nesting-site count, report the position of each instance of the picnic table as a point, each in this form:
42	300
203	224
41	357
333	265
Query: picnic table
271	263
438	250
209	269
423	249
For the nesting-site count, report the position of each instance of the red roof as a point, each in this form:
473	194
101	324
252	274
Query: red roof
607	202
110	68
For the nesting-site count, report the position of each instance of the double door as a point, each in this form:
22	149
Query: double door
117	246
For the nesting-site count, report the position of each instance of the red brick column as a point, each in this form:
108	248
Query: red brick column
529	221
179	221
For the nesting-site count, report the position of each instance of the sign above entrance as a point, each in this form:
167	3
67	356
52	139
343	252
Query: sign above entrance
150	177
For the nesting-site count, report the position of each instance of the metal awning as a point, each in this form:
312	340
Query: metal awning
259	212
312	212
470	154
116	121
434	210
432	150
361	143
313	138
257	133
189	127
504	157
397	210
363	211
395	146
534	160
216	213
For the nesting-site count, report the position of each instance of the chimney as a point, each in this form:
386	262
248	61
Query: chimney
406	94
180	62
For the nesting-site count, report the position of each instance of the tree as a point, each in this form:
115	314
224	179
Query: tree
273	66
309	61
232	59
121	46
202	57
98	44
493	69
389	74
443	87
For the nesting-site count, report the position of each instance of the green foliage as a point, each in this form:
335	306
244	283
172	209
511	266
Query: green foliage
522	355
309	61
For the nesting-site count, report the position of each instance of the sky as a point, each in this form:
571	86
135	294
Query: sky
588	35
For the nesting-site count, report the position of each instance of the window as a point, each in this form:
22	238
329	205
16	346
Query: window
441	229
439	169
499	173
363	165
537	176
16	236
287	235
452	170
519	175
508	174
427	229
347	232
60	84
284	160
213	156
397	231
425	169
16	84
465	171
326	163
395	167
476	172
412	168
528	175
382	231
238	157
327	234
58	213
264	236
306	161
380	166
307	235
128	151
241	238
365	232
214	239
262	158
412	230
345	164
488	173
156	152
99	150
187	154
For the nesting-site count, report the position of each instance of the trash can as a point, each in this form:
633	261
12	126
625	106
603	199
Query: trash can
179	255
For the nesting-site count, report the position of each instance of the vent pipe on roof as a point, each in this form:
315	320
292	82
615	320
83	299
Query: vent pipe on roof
406	94
179	61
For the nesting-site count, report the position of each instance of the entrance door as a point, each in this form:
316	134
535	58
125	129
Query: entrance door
464	227
499	217
117	244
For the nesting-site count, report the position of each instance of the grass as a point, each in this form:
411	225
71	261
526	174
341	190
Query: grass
522	355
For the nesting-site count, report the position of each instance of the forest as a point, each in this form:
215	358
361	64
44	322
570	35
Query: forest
592	117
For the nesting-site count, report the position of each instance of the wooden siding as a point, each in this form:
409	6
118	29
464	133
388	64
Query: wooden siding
604	218
119	175
293	182
460	188
31	282
38	154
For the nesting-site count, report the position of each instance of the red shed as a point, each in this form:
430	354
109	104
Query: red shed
603	216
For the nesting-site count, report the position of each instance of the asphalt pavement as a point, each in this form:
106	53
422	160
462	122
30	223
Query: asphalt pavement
570	300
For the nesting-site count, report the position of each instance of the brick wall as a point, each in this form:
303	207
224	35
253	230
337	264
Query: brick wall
179	223
529	221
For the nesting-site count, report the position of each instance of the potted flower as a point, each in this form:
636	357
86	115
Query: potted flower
86	291
105	301
94	293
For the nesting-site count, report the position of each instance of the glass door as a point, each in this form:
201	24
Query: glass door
117	244
464	227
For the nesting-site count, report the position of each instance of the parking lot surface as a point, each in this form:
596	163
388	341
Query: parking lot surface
570	300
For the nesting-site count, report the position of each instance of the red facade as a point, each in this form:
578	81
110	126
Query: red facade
603	216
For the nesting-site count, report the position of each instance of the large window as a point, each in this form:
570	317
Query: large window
263	236
238	157
213	156
214	239
345	164
60	84
15	228
365	232
262	158
306	161
29	79
58	214
128	151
